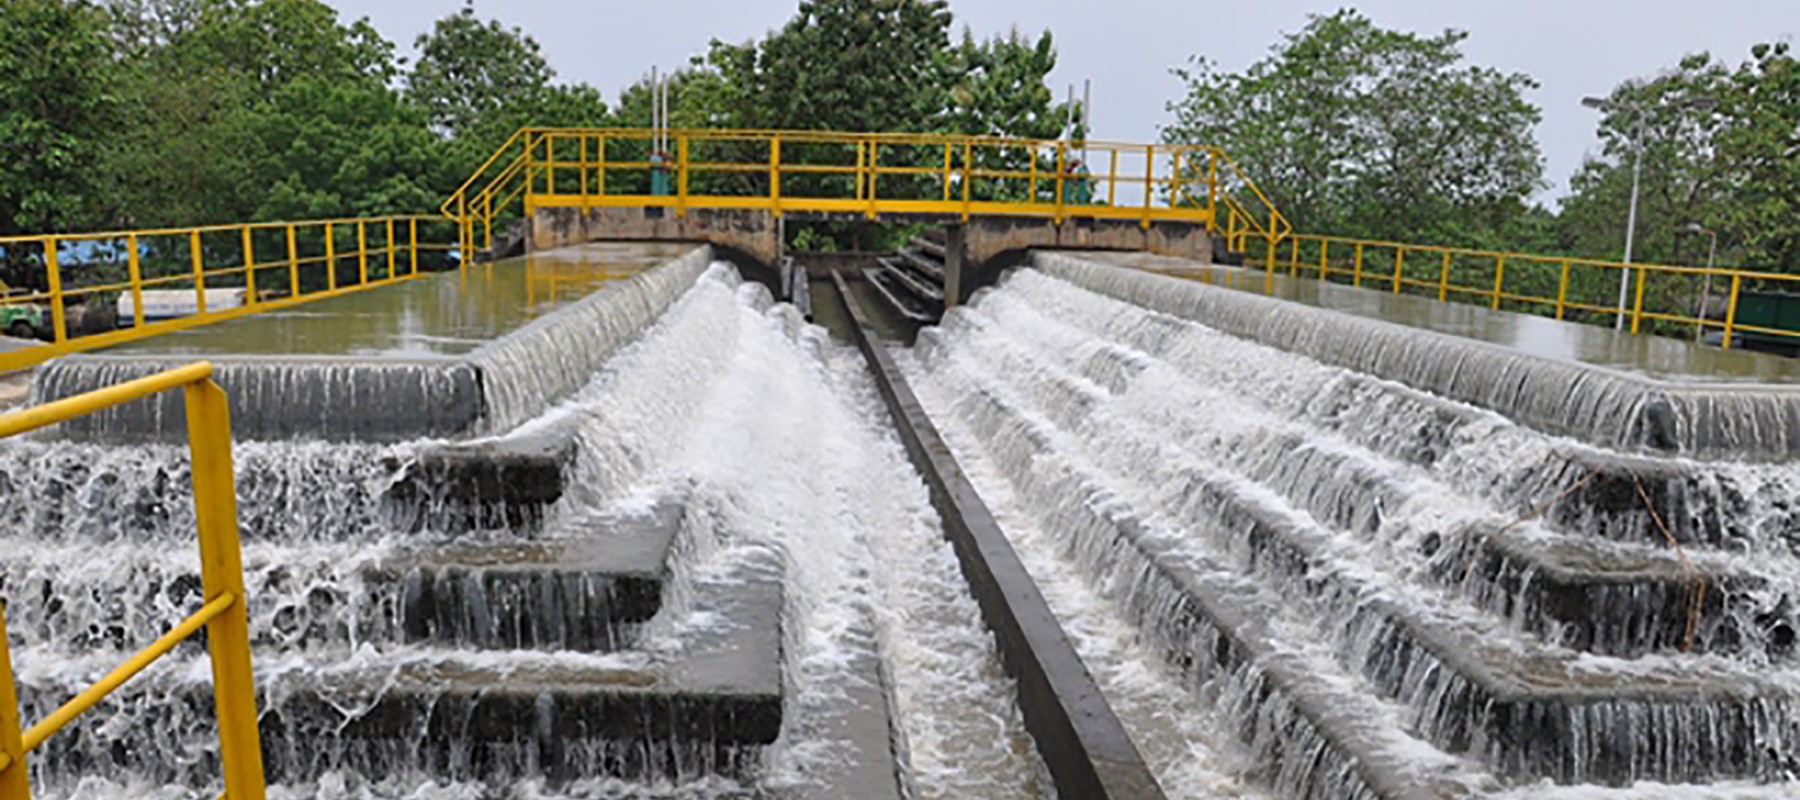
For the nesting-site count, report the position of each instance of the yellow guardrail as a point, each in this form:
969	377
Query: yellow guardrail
1557	286
868	174
264	266
222	580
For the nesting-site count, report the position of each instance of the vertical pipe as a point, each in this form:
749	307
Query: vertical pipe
15	776
681	147
1356	270
1399	262
1562	290
874	174
199	272
1499	281
1737	282
413	223
136	270
1087	116
293	248
1324	253
222	573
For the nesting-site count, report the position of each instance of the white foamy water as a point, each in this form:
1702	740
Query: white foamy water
770	434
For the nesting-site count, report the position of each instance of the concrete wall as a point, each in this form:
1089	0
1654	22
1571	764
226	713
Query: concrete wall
991	237
753	232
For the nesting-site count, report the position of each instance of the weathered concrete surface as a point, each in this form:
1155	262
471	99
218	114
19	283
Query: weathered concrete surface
492	484
1083	744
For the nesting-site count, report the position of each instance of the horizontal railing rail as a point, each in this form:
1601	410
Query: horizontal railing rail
868	174
81	289
222	582
1662	298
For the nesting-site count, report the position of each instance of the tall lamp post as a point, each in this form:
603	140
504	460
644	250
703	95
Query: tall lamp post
1712	257
1641	111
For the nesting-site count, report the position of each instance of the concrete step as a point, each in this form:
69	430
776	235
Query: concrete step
588	588
928	264
928	246
920	288
500	484
703	707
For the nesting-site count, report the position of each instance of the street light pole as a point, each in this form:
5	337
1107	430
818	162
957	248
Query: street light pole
1642	112
1637	174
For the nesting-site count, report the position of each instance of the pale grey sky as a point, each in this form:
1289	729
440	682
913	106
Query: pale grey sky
1573	47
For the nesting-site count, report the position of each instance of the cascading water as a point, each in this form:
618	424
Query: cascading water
1359	510
764	432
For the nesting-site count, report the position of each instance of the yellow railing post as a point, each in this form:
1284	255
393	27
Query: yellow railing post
1149	182
600	165
15	777
222	573
330	258
1324	255
413	251
293	248
1737	282
390	248
1399	265
199	272
1499	280
874	177
1212	188
1562	290
135	268
1031	183
1294	260
775	175
1444	279
1637	304
968	172
59	319
1061	167
1356	269
362	253
549	163
249	269
946	172
1112	177
681	177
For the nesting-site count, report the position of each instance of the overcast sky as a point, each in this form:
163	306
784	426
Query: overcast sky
1573	47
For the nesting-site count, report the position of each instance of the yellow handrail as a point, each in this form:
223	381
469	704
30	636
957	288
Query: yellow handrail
222	582
1505	277
191	262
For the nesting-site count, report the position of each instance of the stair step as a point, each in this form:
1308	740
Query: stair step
913	310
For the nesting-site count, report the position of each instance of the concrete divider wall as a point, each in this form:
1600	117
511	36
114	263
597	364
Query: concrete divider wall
1601	406
381	399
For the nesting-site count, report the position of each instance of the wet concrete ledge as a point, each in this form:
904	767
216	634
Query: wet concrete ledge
1602	406
385	399
1085	747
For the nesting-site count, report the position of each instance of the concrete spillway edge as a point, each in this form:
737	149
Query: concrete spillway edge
1083	744
1601	406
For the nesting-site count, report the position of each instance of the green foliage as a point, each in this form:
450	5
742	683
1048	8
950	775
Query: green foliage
470	70
56	100
1359	130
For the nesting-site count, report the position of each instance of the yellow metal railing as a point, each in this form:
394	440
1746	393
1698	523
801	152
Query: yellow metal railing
222	580
257	266
1556	286
866	174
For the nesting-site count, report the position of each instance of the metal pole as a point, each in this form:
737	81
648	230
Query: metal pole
1637	169
1712	254
1087	118
15	777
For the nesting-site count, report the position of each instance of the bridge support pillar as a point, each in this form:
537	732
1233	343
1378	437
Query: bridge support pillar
955	255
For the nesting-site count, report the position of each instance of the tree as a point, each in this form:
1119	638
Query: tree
56	106
1355	129
998	87
470	70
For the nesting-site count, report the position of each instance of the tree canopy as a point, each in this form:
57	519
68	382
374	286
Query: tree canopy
1356	129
